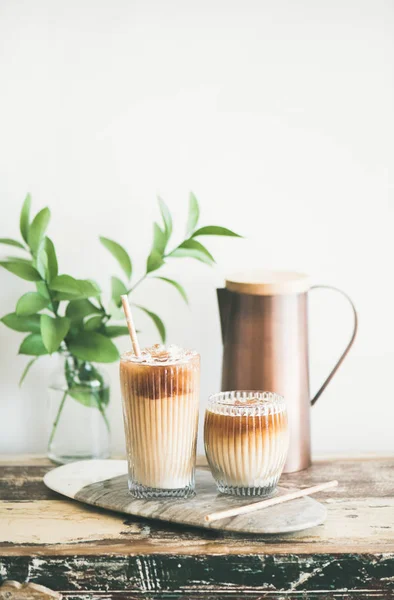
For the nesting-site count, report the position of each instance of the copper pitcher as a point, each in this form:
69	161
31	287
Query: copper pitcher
264	319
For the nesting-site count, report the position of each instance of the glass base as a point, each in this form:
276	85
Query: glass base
63	459
142	491
234	490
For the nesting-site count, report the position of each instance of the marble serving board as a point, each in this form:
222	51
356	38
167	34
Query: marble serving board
103	483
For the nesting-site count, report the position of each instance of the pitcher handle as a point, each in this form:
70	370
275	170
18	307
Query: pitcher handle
350	344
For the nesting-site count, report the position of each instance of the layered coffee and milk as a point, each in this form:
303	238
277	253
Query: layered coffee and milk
246	441
160	393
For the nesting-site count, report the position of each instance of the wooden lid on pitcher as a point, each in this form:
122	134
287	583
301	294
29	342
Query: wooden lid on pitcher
268	283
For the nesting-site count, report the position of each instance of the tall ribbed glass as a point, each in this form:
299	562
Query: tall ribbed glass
160	393
246	441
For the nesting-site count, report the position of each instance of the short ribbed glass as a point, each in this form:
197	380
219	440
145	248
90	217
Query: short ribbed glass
160	409
246	441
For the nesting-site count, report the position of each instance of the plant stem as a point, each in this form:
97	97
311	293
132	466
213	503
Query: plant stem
56	421
138	283
101	306
104	417
50	299
168	255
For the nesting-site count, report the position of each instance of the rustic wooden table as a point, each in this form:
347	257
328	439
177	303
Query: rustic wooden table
90	554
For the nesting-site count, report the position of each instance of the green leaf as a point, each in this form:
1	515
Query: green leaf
52	267
10	242
113	331
154	262
94	347
88	372
42	262
42	289
84	395
65	283
155	258
119	253
159	239
103	394
30	303
73	289
167	219
25	217
27	369
77	310
193	249
93	323
90	397
118	290
30	323
177	286
53	331
25	261
47	260
37	228
93	283
215	230
33	345
194	213
85	392
21	269
157	321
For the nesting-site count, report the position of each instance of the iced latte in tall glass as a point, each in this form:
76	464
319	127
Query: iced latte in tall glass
160	394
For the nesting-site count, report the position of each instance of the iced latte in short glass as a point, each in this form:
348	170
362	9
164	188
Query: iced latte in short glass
160	393
246	440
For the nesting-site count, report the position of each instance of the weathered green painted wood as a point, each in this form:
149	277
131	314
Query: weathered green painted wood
23	483
91	554
166	575
366	595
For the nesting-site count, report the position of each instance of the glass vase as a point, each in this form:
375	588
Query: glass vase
78	426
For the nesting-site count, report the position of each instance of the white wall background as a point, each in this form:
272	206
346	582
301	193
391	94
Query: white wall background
278	114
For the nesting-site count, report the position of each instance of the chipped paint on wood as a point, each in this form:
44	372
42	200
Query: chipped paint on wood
78	528
208	574
329	595
46	522
90	554
365	595
21	483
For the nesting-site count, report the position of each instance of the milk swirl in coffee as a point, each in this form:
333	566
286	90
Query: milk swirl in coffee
246	440
160	393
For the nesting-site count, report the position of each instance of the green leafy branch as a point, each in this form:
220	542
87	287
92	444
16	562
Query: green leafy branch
66	313
190	247
37	313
